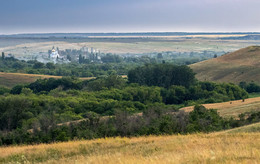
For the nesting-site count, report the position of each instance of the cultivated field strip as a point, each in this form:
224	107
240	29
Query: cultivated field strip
232	108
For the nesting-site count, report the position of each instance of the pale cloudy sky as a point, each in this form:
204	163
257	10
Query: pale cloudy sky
34	16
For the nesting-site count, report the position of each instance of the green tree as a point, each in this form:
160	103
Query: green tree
26	91
50	65
204	120
163	75
18	65
3	55
80	59
159	56
4	90
38	65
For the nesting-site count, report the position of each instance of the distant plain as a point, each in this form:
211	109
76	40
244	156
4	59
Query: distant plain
31	46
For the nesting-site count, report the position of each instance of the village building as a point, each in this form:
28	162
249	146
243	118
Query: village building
54	54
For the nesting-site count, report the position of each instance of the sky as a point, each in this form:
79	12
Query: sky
85	16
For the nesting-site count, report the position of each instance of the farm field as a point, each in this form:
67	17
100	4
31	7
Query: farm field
196	148
12	79
232	108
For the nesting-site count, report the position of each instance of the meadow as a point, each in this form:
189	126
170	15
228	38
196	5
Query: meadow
193	148
13	79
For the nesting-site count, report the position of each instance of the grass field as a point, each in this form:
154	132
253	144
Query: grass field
195	148
232	108
12	79
241	65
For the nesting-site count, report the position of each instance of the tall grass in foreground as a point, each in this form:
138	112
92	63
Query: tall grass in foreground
195	148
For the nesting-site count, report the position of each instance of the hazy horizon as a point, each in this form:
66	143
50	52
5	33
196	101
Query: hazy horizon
134	32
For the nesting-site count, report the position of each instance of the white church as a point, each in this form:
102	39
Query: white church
54	55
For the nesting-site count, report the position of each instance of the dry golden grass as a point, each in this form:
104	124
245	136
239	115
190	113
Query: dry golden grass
232	108
249	56
241	65
196	148
12	79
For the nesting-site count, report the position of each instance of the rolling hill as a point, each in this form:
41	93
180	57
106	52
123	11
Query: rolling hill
241	65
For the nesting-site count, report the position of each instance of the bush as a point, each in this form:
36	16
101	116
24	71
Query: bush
4	90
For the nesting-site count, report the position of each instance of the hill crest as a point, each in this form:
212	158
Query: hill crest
245	56
241	65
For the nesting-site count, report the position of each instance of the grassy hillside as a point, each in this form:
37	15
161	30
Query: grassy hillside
196	148
241	65
249	128
232	108
12	79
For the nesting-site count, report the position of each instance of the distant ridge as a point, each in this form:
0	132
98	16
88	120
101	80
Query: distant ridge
82	35
241	65
246	37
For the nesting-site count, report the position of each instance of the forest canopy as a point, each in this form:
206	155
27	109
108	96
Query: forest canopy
163	75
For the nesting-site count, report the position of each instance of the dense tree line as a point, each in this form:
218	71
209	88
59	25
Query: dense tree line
250	87
203	92
164	75
154	121
110	58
